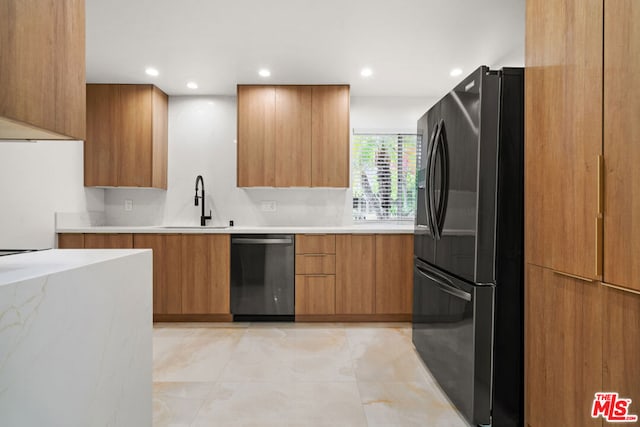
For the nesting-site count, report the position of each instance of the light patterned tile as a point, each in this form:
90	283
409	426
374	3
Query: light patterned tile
408	404
291	355
177	404
282	404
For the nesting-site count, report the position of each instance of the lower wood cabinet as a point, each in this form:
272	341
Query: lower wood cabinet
206	270
563	348
315	294
167	270
394	274
621	345
355	273
108	241
71	241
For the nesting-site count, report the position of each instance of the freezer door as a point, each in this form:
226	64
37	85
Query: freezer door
452	332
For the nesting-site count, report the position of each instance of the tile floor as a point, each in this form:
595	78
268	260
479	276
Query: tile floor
293	374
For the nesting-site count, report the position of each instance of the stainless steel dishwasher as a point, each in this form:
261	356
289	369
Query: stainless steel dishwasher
262	277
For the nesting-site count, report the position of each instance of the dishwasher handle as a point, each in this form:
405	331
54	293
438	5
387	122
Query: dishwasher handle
250	241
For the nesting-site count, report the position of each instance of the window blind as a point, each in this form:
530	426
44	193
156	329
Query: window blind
383	176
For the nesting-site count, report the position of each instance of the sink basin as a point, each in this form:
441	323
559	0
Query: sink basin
195	227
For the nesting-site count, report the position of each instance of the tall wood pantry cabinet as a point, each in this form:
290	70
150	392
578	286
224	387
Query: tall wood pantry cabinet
293	136
42	69
582	228
127	136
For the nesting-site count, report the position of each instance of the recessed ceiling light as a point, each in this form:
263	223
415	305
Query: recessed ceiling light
366	72
264	72
151	71
192	85
455	72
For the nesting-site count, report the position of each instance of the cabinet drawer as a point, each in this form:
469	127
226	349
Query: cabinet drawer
315	264
315	243
315	294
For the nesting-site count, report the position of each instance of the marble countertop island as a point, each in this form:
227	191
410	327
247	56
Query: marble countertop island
75	338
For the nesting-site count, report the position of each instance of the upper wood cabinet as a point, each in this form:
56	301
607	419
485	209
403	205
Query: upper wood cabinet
127	132
293	136
563	134
330	136
42	69
256	136
622	143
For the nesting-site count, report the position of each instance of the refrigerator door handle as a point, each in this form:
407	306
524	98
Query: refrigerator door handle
444	286
430	188
427	188
443	148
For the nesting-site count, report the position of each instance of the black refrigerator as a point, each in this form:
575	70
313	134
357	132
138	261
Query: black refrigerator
468	313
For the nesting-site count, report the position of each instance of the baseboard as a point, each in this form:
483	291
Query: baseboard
193	318
404	317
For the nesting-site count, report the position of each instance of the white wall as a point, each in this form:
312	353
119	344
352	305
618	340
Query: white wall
202	132
36	180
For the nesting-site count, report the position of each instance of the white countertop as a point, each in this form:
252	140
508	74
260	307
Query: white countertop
376	228
29	265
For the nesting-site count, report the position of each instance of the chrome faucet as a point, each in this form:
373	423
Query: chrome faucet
203	218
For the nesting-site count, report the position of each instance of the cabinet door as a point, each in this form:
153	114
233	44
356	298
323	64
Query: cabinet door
622	143
167	270
256	136
293	136
160	155
315	243
563	348
134	135
70	241
330	136
355	274
42	69
108	241
315	294
205	273
563	133
621	345
101	149
394	274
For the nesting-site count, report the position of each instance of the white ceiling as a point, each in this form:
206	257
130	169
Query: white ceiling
411	45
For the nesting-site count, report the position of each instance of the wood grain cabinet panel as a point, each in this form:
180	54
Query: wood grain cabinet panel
330	136
293	136
622	143
315	294
70	241
563	349
42	69
167	270
563	133
256	136
206	273
394	274
621	345
315	243
355	273
127	136
316	264
108	241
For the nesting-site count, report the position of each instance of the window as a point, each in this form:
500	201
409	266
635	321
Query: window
383	176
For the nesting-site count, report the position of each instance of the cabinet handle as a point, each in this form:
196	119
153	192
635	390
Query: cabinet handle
599	245
318	275
573	276
620	288
314	255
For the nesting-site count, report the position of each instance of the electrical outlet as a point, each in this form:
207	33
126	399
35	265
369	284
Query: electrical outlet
128	205
268	206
